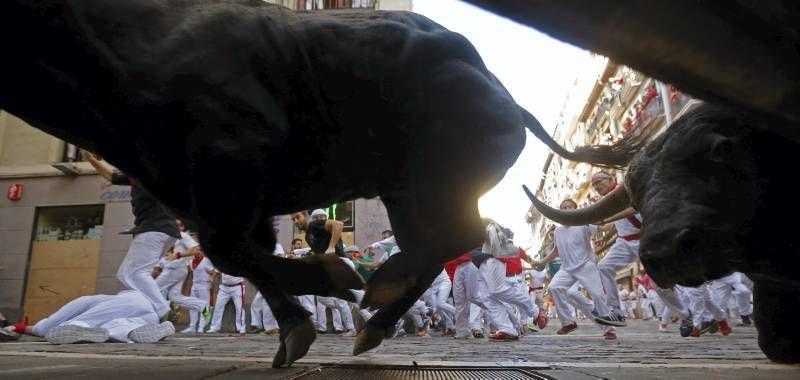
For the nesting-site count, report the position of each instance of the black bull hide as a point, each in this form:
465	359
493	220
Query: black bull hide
230	112
711	188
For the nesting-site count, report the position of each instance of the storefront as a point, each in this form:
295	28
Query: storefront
60	239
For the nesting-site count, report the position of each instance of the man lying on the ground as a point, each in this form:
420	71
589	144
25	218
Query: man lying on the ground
125	317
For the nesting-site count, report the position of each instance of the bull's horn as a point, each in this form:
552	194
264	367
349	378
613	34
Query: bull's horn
607	206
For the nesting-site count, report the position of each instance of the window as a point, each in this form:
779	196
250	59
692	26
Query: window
69	223
343	212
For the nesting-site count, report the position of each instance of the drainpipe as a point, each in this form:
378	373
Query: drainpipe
663	91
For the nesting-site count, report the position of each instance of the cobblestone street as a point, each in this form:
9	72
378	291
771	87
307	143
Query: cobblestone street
640	352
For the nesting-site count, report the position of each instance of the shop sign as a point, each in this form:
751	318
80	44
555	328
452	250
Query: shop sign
15	192
115	195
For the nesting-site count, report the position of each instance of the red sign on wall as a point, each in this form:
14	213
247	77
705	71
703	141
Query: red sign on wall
15	192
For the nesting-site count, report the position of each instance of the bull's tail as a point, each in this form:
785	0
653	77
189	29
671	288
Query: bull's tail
616	155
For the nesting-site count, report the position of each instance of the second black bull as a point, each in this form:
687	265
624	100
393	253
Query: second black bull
715	197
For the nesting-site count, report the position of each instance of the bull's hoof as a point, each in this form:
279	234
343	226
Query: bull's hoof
280	356
294	343
369	338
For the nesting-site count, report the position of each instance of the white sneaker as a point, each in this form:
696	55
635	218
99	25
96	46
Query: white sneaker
189	330
662	328
152	333
76	334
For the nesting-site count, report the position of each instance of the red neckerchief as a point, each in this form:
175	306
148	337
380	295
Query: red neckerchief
195	262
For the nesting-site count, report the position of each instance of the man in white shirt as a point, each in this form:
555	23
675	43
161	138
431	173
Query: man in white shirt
573	245
536	286
625	251
231	288
175	268
128	316
202	269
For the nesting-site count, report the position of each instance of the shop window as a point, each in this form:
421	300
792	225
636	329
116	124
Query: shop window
69	223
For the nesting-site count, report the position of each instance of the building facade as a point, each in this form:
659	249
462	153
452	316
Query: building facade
60	222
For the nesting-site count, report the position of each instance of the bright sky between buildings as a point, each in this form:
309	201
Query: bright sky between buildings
537	70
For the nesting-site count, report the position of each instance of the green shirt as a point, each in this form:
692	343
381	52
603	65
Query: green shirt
364	272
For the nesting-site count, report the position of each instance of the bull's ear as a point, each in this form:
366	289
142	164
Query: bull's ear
721	149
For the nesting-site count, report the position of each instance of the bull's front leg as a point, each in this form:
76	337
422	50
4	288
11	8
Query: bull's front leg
776	305
236	253
402	279
382	323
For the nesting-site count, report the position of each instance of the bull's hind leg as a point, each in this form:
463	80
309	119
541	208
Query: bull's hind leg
775	309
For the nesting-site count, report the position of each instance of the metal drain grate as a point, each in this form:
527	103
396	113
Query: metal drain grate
420	372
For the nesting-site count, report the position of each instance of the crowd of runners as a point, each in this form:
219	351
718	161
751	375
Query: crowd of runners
493	291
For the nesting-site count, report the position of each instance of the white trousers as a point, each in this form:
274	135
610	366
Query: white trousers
468	288
525	307
170	282
672	300
437	296
623	308
731	285
655	300
650	303
587	275
202	292
537	297
415	313
700	303
475	317
337	306
119	314
507	290
359	295
225	294
261	315
309	303
498	290
622	253
134	272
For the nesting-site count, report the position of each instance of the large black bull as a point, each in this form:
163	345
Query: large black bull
715	197
717	189
230	112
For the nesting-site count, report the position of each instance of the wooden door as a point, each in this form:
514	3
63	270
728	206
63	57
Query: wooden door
59	272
